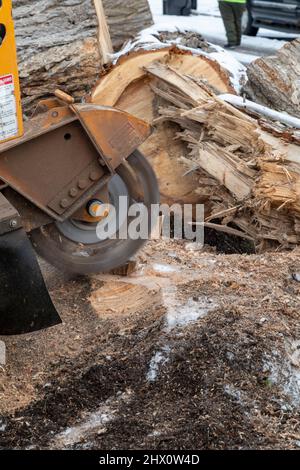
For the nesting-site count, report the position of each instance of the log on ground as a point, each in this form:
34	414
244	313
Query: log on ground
128	87
274	80
58	42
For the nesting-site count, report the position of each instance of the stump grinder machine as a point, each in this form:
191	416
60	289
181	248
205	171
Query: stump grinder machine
59	174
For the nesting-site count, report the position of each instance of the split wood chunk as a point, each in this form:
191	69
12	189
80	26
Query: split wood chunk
255	176
275	80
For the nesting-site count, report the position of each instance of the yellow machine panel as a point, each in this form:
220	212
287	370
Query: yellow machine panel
11	124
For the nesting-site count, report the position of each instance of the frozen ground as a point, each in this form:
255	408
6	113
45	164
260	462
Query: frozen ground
207	21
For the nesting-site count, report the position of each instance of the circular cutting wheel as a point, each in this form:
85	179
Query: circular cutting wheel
74	246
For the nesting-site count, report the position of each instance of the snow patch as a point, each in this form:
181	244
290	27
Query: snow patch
261	110
208	22
155	434
159	359
244	58
164	268
92	423
180	314
284	371
194	246
234	393
2	426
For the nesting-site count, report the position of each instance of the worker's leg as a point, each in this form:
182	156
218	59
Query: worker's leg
238	10
227	13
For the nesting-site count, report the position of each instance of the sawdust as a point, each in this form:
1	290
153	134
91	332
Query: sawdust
224	373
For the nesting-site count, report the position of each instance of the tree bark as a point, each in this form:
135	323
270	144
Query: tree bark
126	18
251	177
275	81
58	46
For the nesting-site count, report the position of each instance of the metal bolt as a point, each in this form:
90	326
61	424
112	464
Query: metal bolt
73	192
82	184
64	203
94	175
54	114
97	208
13	223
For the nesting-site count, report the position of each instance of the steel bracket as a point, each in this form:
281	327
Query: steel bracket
10	219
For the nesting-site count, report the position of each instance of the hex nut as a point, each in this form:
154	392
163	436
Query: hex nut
13	223
82	184
94	175
64	203
73	192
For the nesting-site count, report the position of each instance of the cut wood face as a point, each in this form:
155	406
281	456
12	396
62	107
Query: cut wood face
131	68
164	154
129	87
112	86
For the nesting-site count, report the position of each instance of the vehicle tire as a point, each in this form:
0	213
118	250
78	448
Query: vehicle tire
247	23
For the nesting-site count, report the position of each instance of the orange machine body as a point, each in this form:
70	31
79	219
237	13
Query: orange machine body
11	123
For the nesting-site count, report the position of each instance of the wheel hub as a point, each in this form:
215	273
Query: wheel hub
97	209
85	232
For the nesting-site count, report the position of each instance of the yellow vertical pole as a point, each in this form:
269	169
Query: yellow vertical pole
11	123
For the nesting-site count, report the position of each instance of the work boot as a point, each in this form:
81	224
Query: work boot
230	46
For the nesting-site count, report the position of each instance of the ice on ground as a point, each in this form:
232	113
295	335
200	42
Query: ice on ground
159	359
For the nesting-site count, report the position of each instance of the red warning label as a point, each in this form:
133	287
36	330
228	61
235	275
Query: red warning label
8	108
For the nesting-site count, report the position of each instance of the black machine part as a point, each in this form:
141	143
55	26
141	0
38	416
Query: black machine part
25	304
179	7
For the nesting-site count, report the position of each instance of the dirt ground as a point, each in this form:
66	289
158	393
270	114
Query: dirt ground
194	350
